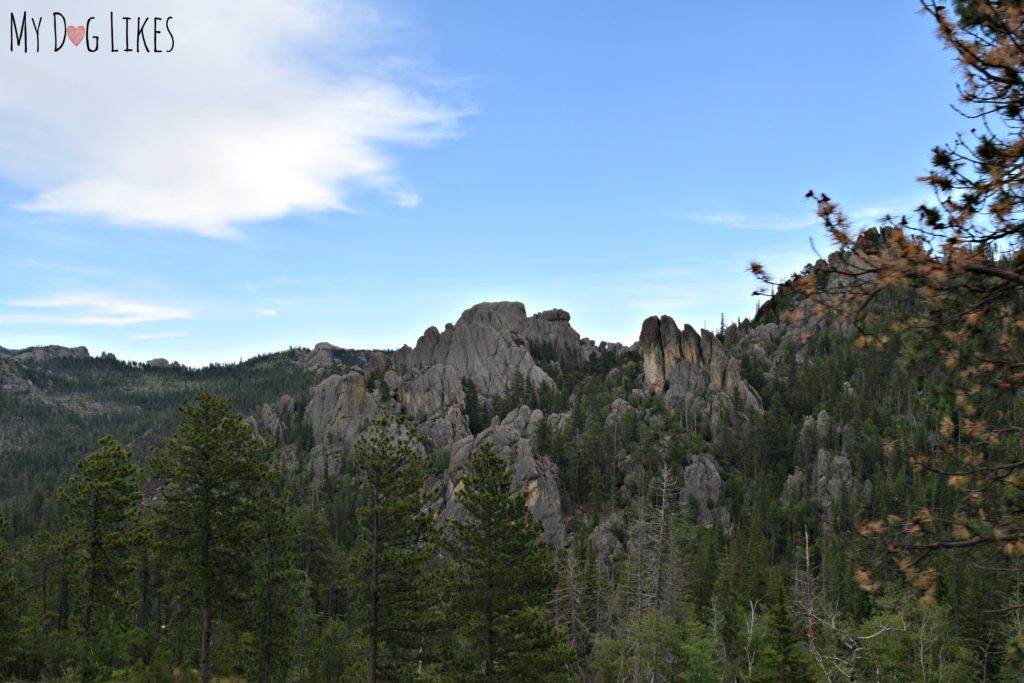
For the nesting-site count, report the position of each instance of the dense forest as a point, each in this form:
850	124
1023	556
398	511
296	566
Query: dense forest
831	491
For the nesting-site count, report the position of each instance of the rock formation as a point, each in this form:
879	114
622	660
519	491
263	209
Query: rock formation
823	469
702	491
41	354
695	372
491	342
535	474
339	409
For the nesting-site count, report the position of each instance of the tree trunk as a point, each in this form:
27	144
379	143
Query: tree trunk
204	648
489	664
489	611
86	669
90	597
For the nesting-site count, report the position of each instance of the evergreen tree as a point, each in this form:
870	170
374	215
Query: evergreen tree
660	649
960	260
103	501
8	605
395	550
475	410
503	582
275	598
214	484
784	658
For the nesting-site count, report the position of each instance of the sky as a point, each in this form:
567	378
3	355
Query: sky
281	174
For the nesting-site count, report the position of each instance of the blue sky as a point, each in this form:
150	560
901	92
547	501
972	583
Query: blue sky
355	172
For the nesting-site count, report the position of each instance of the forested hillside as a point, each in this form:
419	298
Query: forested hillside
700	495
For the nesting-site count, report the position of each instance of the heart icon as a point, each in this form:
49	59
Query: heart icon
76	33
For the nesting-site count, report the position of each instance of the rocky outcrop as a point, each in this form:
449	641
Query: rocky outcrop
694	371
606	540
702	492
617	414
491	342
162	363
277	420
10	379
535	474
436	401
339	409
41	354
320	359
824	471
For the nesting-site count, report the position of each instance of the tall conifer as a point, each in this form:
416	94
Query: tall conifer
103	499
214	484
503	582
395	551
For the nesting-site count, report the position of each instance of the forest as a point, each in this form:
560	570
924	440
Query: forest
830	491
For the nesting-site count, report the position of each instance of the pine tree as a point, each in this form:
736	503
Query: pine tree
8	605
502	582
214	484
275	597
475	410
103	500
784	658
960	261
395	550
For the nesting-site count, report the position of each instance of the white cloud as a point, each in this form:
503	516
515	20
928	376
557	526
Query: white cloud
237	124
90	309
407	200
745	221
267	312
173	334
58	267
904	206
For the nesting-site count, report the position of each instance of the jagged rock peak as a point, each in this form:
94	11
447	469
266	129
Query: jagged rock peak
695	372
502	315
493	341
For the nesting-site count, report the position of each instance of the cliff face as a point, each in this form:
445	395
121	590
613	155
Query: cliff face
695	372
536	474
491	342
490	345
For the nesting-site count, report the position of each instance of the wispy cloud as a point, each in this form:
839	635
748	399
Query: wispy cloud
893	207
746	221
238	123
407	200
59	267
173	334
90	309
267	312
867	214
